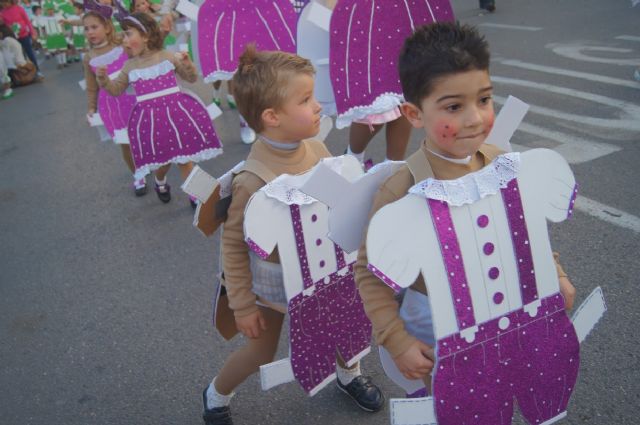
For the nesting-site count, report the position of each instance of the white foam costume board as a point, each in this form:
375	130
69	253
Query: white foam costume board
402	232
313	44
349	201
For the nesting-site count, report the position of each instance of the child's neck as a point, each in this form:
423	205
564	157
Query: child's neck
445	155
287	146
100	45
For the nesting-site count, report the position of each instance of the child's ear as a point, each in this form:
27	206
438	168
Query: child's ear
270	118
413	114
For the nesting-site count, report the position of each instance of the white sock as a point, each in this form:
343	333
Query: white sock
215	399
161	182
59	59
64	58
358	156
345	376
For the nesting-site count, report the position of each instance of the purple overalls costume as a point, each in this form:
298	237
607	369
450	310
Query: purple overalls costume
501	331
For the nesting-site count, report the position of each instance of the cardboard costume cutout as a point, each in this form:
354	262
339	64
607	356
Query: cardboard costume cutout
324	306
499	322
366	36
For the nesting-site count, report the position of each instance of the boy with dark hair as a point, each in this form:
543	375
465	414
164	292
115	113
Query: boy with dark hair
444	71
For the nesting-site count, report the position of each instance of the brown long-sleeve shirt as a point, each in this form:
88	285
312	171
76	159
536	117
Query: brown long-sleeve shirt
185	70
235	252
379	300
90	76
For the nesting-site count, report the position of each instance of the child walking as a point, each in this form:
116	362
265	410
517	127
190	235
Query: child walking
166	125
114	110
274	91
444	71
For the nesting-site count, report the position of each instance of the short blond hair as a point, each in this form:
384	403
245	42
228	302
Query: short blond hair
262	79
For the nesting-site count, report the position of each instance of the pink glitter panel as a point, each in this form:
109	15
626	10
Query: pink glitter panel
572	201
450	248
520	240
302	250
255	248
535	360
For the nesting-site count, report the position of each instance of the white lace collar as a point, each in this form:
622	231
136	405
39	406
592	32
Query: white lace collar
151	72
107	58
473	186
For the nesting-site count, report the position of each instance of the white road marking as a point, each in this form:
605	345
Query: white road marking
629	115
628	38
565	72
608	214
575	51
511	27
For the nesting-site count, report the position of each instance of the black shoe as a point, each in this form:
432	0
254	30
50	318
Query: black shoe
140	187
217	415
193	202
164	192
366	395
488	5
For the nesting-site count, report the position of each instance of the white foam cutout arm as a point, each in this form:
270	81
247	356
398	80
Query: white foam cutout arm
508	120
412	411
276	373
188	9
589	313
199	184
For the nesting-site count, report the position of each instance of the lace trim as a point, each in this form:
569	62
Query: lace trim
219	75
383	103
108	58
474	186
151	72
285	189
181	159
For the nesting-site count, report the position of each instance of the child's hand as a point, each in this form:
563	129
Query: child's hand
251	325
183	57
90	113
568	291
101	72
416	362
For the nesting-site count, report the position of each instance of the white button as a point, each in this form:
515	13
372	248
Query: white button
504	323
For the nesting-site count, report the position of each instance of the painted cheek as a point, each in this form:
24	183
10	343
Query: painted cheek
446	131
489	122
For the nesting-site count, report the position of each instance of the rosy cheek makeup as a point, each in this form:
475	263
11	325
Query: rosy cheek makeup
489	122
446	131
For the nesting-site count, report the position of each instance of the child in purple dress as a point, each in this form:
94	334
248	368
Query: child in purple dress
167	125
113	110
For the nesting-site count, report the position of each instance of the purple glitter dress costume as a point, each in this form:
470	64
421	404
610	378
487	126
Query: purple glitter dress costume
225	27
325	308
501	328
167	125
366	38
114	110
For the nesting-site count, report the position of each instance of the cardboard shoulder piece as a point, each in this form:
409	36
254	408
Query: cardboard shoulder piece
225	27
500	328
366	37
313	44
324	306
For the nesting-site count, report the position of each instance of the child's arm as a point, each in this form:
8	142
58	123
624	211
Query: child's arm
92	86
567	289
235	258
113	87
184	67
413	358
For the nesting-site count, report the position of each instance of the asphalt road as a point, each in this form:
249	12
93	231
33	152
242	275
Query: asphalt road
105	299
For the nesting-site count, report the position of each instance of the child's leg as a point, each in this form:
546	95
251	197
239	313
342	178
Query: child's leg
185	170
360	388
128	159
161	174
398	133
247	360
359	137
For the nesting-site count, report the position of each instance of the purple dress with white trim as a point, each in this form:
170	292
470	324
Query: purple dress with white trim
167	125
225	27
114	110
366	38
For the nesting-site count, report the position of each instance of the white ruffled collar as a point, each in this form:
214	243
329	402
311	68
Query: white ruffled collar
151	72
473	186
107	58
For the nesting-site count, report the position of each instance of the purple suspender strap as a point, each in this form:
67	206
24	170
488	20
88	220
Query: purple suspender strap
307	280
300	247
452	256
520	239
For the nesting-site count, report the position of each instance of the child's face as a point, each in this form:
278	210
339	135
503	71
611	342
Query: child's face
142	6
299	116
94	30
50	12
134	42
458	114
